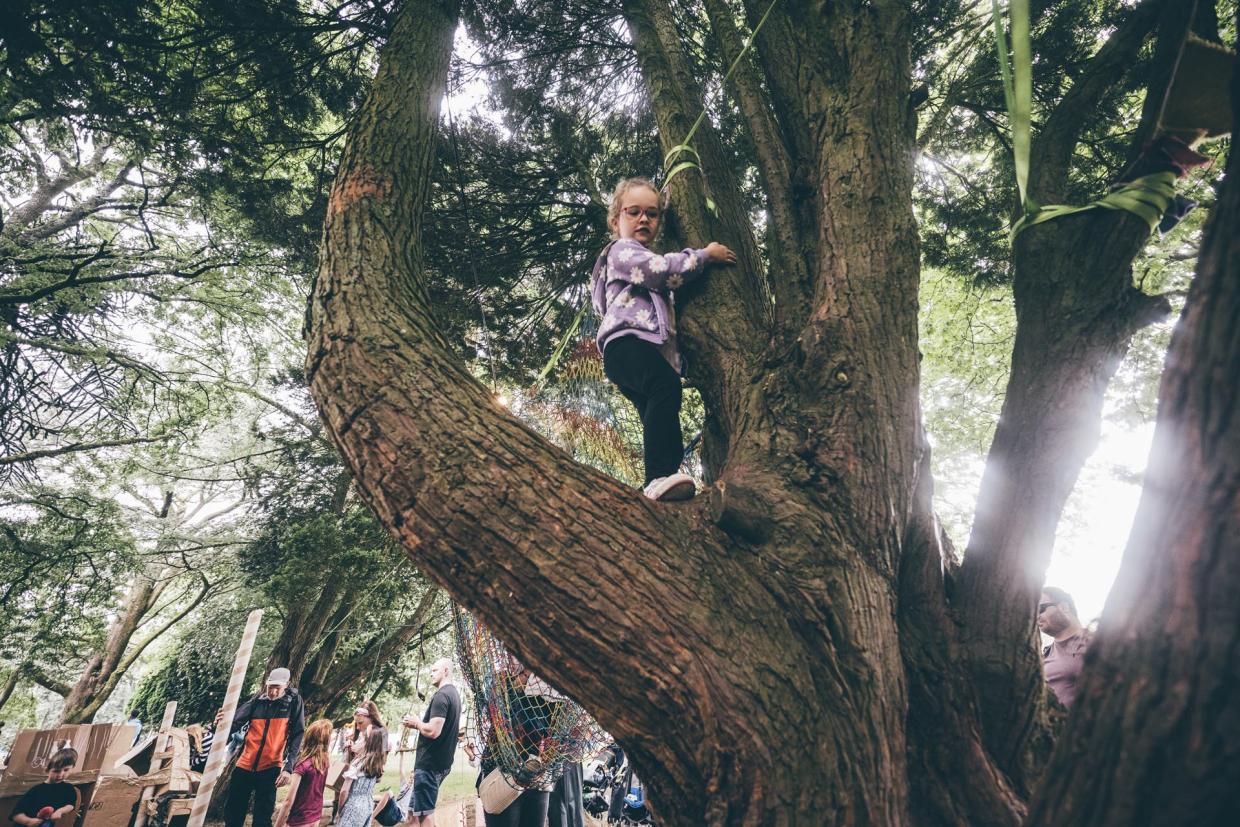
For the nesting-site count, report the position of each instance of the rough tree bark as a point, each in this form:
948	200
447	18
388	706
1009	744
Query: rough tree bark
1155	737
1077	310
792	622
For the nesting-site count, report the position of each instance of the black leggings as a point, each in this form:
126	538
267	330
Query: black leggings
646	379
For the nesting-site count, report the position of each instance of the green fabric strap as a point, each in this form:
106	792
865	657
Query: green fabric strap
1017	86
685	147
1147	197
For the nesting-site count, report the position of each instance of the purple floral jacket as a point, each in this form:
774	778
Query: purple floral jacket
632	291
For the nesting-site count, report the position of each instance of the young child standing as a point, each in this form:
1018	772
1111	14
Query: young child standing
304	805
48	801
359	806
632	290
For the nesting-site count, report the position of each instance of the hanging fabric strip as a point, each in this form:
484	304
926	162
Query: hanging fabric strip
1147	197
565	340
685	147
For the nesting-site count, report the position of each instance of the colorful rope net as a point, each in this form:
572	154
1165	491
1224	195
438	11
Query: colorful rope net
574	405
526	728
581	412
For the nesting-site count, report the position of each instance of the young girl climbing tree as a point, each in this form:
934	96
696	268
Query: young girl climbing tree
632	290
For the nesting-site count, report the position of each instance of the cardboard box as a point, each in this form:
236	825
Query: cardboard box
174	774
98	747
113	803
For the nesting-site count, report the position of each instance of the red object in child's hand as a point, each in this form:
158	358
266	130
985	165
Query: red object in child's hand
46	812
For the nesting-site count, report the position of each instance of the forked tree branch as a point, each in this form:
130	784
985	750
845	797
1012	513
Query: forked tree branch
1054	145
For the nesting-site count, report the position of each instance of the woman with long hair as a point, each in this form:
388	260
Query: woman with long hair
359	806
365	718
303	806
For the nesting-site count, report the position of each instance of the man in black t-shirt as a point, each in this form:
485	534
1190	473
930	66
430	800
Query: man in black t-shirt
51	799
437	735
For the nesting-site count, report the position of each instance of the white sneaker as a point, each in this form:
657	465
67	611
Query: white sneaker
671	489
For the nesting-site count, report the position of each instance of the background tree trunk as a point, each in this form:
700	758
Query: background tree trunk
304	624
326	695
88	693
1077	310
1155	736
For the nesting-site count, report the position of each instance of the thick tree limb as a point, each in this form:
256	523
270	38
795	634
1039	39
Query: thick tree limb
1155	733
41	199
788	99
1076	310
36	674
1054	145
789	274
71	217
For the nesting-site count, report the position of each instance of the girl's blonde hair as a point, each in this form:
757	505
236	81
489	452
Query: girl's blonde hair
626	184
195	733
314	746
374	758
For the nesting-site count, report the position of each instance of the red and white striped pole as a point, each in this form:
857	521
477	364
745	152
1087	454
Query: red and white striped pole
219	746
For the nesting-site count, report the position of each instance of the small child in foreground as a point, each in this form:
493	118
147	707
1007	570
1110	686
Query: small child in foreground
632	290
52	799
303	807
359	806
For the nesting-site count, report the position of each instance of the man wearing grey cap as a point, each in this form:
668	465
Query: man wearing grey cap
277	720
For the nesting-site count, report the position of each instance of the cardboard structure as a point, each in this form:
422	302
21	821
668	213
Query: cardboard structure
98	747
111	772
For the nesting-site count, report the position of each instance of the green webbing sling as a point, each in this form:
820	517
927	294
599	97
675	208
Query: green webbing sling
1147	197
685	147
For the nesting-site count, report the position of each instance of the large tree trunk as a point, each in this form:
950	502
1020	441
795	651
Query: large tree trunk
1077	310
303	627
95	683
1155	736
766	618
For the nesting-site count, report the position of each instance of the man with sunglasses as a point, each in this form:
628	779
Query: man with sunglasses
1063	658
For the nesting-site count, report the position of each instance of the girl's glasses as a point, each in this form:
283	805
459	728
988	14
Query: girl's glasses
633	212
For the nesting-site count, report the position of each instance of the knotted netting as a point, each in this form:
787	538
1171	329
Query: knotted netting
577	408
526	728
583	414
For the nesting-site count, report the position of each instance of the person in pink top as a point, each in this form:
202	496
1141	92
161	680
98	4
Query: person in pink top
303	806
1063	658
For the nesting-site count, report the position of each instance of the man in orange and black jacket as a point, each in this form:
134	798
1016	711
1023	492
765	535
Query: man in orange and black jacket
277	721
